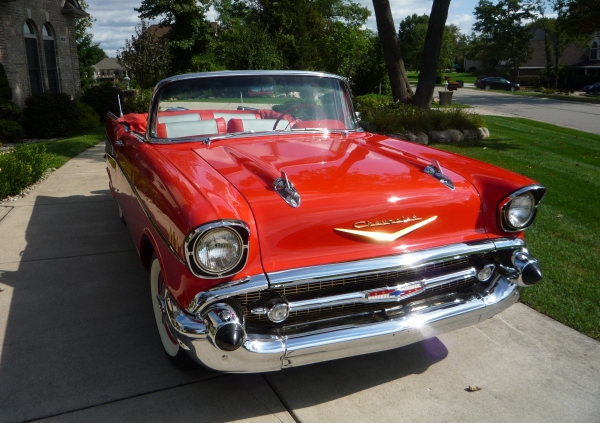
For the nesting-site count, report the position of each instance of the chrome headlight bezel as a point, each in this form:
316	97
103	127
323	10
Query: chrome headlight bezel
536	192
192	242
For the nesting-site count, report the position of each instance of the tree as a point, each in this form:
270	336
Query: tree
556	38
412	31
581	19
88	52
502	33
370	72
392	52
433	46
145	56
190	33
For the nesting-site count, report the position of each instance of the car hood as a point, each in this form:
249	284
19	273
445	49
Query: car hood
349	189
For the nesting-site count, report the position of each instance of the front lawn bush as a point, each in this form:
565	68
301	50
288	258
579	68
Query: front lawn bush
49	115
139	103
103	99
22	166
9	110
10	131
5	90
399	118
88	118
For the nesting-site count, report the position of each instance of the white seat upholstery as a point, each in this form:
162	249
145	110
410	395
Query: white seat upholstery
186	129
264	124
189	117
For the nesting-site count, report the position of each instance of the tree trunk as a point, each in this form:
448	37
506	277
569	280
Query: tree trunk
391	51
431	56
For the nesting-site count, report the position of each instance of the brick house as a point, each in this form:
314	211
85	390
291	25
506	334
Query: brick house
38	48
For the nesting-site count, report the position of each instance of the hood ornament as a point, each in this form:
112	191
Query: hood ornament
284	187
385	237
435	170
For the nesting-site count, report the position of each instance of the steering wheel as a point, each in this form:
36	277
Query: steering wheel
296	106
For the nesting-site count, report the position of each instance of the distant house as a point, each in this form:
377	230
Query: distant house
579	61
38	48
108	70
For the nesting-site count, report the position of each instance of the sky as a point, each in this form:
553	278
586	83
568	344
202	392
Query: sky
116	19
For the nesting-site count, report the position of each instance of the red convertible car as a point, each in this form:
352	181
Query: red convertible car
278	233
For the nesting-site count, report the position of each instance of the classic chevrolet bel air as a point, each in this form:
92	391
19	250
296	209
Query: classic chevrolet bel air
278	233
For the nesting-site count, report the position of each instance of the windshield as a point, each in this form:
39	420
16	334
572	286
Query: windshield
233	104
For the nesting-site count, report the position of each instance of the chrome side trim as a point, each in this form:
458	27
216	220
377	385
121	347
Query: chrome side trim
225	290
382	264
363	296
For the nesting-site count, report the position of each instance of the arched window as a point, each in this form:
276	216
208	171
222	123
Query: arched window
33	58
50	53
594	51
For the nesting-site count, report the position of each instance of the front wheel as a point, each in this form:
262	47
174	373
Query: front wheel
596	91
513	88
158	290
488	87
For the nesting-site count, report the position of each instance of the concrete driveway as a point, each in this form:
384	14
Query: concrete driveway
78	342
582	116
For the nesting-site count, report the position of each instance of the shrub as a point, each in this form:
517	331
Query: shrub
530	80
21	167
87	116
10	111
140	103
103	99
370	101
5	90
49	115
472	69
10	131
394	118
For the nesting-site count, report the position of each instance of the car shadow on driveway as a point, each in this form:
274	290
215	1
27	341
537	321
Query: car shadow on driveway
80	333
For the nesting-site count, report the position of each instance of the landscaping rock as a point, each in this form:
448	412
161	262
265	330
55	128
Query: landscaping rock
456	135
422	138
439	136
470	134
483	133
409	136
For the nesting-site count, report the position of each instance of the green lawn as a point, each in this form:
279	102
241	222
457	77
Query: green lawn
566	236
65	149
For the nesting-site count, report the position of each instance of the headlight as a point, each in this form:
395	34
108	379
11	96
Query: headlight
217	249
518	210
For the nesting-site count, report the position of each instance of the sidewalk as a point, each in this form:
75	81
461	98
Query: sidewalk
78	342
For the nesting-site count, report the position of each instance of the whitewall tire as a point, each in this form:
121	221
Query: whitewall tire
157	287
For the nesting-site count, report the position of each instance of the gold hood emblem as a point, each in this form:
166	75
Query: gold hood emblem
385	237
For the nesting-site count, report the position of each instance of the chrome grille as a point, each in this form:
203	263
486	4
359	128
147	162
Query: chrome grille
354	283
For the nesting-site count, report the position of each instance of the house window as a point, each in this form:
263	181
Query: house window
51	63
33	58
594	51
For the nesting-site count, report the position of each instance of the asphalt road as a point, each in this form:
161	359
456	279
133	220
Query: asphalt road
582	116
78	342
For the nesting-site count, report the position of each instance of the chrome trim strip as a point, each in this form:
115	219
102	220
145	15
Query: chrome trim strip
381	264
226	290
363	296
271	352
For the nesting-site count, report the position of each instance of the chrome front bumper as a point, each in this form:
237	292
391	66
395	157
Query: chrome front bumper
260	353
